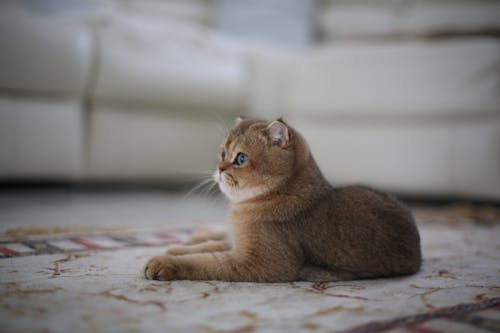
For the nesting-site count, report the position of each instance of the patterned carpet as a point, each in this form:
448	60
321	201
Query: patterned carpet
78	279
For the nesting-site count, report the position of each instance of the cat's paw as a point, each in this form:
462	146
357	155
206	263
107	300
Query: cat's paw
176	251
160	268
198	239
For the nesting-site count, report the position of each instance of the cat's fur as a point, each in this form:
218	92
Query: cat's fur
289	224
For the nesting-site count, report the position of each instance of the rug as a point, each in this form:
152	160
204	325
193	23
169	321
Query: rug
84	280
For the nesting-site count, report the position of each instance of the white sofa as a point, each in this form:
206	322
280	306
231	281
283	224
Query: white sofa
142	90
113	91
44	66
412	116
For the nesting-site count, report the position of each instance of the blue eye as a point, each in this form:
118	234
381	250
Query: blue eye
240	159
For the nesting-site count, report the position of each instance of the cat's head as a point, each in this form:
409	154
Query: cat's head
256	158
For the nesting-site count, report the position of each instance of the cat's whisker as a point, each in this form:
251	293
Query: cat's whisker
198	187
209	190
214	193
205	189
213	189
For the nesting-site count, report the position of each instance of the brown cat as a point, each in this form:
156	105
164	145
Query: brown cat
289	224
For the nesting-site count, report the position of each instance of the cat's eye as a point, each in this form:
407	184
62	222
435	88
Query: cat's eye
223	155
240	159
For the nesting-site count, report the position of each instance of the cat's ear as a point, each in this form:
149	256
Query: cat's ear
239	119
278	132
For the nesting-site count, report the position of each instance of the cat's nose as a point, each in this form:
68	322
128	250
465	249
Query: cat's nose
223	166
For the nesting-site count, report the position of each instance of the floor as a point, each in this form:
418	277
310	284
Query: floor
71	261
98	207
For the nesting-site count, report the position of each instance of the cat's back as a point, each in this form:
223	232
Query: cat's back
365	204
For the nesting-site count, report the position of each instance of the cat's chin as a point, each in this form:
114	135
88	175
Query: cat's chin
237	195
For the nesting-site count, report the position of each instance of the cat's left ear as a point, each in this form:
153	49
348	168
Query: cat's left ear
278	132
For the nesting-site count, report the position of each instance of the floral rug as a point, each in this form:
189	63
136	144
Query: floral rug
84	280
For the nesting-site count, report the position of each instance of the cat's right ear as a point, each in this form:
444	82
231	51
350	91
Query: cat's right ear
239	119
278	133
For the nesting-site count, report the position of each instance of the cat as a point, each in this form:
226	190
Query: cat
288	223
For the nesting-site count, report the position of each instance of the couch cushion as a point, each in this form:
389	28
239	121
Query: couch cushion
340	19
43	51
393	79
404	158
41	138
282	22
149	144
457	158
146	59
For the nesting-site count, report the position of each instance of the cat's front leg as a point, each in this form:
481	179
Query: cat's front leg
209	246
207	236
225	266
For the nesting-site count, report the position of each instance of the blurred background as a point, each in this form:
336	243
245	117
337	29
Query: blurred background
403	95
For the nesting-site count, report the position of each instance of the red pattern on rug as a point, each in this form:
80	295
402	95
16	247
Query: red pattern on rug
69	244
454	313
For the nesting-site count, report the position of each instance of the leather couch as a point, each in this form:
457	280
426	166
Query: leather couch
400	96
